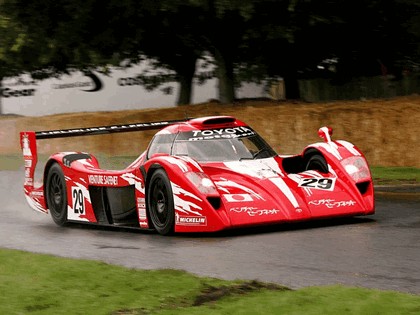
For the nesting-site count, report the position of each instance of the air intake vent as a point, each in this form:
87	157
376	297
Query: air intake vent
363	187
219	121
215	202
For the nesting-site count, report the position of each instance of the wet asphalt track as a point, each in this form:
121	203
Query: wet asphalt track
380	251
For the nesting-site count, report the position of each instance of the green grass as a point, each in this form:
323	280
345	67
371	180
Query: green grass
42	284
395	175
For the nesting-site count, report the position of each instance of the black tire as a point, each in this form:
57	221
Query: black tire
160	203
56	194
316	162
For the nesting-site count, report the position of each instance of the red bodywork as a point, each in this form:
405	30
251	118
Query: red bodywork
247	192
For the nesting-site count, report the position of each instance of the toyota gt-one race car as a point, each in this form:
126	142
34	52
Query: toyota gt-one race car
200	175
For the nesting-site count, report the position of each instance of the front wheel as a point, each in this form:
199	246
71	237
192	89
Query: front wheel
56	194
161	203
317	162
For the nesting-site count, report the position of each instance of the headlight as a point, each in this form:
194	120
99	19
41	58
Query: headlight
357	168
203	183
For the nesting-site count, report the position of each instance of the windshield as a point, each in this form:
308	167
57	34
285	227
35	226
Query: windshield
222	145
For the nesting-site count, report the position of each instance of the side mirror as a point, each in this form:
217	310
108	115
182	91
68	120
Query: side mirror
325	133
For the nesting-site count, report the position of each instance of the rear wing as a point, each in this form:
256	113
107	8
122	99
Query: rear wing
29	148
91	131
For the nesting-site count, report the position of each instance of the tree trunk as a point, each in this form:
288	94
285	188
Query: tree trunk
291	86
1	93
185	75
185	91
225	76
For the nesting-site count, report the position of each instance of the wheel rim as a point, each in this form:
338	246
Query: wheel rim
160	202
56	193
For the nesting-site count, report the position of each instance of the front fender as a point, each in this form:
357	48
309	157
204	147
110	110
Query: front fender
335	152
340	155
193	209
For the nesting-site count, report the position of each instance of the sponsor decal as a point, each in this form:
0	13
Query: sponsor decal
129	81
318	183
29	182
238	198
332	203
28	158
190	220
142	214
8	92
141	206
36	193
141	203
254	211
103	180
222	133
104	128
95	84
141	80
25	145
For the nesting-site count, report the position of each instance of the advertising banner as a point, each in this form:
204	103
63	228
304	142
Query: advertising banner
79	92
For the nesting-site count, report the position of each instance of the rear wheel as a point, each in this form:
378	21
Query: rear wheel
316	162
57	194
161	203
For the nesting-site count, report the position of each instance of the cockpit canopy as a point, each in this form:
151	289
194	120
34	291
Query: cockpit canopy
213	144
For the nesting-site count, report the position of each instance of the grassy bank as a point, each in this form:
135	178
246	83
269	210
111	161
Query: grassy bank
42	284
395	175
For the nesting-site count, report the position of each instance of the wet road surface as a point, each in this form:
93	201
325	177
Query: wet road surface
380	251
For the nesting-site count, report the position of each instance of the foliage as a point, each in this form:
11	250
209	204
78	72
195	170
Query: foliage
365	38
247	40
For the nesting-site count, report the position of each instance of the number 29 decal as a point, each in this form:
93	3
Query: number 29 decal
318	183
78	200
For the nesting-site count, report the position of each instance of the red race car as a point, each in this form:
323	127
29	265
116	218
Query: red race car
200	175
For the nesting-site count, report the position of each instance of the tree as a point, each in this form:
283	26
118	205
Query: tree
17	53
248	40
267	51
364	37
172	44
222	35
175	34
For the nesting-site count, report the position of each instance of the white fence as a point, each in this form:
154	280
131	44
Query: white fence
79	93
